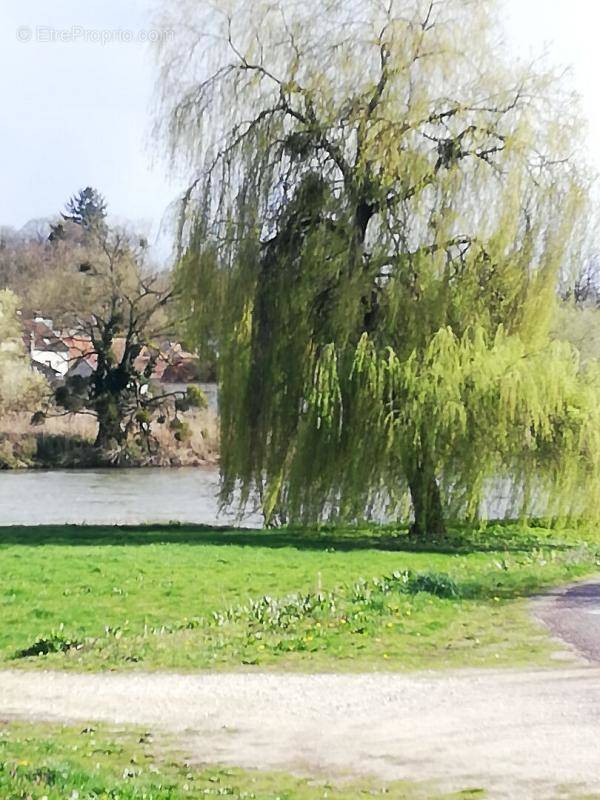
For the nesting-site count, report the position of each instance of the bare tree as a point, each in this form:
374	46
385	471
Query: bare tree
114	318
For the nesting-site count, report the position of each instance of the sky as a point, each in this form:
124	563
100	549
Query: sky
79	112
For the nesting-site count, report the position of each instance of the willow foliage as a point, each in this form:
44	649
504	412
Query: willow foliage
381	210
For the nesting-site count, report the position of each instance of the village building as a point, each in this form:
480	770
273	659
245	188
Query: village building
60	356
49	354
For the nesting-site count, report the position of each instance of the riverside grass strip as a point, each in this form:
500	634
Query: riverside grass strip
191	598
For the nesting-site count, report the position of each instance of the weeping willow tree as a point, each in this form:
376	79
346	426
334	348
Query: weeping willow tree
380	210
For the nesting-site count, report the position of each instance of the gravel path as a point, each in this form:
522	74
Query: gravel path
519	733
527	734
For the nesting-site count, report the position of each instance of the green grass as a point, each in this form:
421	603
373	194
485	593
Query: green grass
190	598
58	763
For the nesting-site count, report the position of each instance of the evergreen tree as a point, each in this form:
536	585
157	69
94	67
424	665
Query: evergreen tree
87	209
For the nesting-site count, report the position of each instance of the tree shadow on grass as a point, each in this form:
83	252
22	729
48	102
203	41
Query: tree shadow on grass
506	538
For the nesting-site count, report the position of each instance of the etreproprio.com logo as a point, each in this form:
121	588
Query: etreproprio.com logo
79	34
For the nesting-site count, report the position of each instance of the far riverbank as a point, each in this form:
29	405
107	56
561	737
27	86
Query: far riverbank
66	442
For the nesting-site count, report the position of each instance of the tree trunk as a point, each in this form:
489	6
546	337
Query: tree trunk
108	437
427	505
110	431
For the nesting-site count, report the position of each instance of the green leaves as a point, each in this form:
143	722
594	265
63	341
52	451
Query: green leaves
374	251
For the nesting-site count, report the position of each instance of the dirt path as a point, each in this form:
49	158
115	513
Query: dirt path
520	733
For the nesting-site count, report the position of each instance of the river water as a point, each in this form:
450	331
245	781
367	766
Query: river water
135	497
113	497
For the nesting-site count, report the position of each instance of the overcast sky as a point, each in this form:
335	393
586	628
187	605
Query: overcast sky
78	113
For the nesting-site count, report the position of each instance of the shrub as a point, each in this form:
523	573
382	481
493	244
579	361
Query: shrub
437	583
56	642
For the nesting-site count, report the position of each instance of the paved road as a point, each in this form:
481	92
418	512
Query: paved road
573	616
519	734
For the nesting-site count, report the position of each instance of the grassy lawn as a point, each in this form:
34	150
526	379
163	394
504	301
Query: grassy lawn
57	763
194	598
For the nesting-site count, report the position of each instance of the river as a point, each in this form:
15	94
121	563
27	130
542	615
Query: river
113	497
135	497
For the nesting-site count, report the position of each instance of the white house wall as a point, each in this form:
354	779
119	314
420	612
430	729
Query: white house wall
59	362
